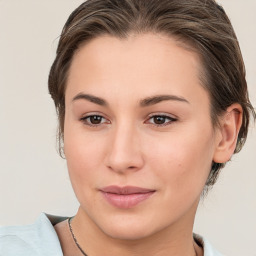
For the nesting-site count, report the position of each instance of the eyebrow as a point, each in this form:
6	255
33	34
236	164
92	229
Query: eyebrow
149	101
159	98
91	98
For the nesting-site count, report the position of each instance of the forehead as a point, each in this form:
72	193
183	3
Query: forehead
135	66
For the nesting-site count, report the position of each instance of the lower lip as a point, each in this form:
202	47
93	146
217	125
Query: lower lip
126	201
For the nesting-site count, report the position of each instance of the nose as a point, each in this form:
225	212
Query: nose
124	153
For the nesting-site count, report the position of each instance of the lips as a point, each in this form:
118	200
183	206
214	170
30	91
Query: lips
126	197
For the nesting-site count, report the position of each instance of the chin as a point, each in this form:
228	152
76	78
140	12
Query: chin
128	233
128	228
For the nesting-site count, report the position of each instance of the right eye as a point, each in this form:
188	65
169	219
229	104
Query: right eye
94	120
161	120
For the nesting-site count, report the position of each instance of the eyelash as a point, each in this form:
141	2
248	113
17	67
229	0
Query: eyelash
163	116
170	118
86	118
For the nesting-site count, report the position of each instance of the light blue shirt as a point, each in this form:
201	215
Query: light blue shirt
40	239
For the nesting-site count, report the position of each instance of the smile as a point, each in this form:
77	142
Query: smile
126	197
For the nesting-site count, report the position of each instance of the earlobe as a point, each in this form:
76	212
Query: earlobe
230	124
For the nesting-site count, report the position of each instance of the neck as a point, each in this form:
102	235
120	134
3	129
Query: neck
175	240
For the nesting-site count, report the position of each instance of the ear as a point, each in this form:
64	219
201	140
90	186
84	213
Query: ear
230	124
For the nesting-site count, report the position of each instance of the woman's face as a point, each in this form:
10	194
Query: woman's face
138	137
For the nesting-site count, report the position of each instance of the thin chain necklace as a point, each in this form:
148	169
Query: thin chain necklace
77	244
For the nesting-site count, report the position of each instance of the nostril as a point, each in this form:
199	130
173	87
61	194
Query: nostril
124	154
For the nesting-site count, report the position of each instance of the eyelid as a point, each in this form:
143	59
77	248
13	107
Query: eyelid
172	119
86	116
90	114
163	114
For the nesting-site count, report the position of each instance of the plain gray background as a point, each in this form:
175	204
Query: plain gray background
33	178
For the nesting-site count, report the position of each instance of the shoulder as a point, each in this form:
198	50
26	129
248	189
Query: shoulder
209	250
31	239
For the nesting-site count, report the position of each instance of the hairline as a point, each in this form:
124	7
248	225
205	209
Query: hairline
180	40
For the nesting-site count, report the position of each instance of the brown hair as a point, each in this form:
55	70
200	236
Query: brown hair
201	24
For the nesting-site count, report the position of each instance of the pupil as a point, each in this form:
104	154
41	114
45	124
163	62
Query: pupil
95	119
159	120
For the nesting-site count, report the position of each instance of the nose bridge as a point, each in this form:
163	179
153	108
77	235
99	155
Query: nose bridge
124	151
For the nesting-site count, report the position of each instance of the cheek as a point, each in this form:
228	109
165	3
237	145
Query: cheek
183	160
83	157
83	162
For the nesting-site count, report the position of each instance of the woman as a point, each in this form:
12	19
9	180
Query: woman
152	102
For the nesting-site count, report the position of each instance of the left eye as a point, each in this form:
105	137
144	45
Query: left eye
93	120
161	120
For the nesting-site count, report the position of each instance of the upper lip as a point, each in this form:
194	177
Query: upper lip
125	190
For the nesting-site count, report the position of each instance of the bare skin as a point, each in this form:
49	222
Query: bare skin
137	115
66	240
69	247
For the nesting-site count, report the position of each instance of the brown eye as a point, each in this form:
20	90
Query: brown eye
95	119
161	120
